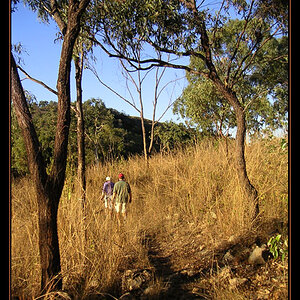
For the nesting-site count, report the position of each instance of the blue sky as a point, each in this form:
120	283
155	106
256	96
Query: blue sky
41	59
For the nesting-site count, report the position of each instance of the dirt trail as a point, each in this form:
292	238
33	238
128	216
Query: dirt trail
186	268
199	278
173	281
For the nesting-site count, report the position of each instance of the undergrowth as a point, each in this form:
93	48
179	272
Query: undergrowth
178	197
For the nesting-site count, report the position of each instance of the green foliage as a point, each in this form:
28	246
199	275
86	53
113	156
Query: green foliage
18	150
171	135
248	60
109	134
274	11
44	116
103	142
39	7
128	23
248	56
284	144
263	90
278	247
271	72
202	105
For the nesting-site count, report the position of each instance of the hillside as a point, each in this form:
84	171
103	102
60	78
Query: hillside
110	134
188	234
132	125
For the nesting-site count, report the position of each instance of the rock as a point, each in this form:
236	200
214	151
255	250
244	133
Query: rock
150	292
136	279
255	257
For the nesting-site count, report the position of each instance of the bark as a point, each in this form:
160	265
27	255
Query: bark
80	130
157	81
35	159
139	89
63	121
231	97
151	136
47	202
144	137
240	155
49	187
48	241
241	167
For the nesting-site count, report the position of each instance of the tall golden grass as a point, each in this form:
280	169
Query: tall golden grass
177	192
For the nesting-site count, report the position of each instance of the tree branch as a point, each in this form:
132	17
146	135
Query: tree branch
153	62
37	81
237	74
57	17
186	53
35	158
254	98
112	90
238	43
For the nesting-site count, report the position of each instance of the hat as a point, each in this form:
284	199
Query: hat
121	176
107	178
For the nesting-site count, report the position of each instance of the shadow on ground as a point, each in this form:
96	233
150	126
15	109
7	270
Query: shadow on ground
173	281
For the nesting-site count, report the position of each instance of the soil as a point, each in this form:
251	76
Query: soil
173	281
197	272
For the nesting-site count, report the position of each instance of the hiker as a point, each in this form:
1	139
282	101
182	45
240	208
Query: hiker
107	192
121	196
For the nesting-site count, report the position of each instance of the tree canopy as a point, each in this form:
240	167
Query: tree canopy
109	134
263	90
246	52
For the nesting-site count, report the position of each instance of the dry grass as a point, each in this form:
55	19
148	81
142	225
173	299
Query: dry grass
178	196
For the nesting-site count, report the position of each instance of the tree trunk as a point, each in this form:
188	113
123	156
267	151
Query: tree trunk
144	138
139	89
241	167
153	118
240	158
151	138
48	242
80	131
49	187
47	206
245	183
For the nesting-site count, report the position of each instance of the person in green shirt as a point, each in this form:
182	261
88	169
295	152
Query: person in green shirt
121	196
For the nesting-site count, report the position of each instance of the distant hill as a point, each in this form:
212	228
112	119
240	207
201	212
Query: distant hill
132	125
110	134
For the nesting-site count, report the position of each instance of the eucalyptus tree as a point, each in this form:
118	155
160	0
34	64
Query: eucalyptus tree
83	46
263	92
193	29
49	185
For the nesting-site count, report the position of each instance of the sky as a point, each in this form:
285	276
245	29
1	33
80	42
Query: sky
40	59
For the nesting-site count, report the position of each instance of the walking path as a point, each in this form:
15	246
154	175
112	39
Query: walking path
173	281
